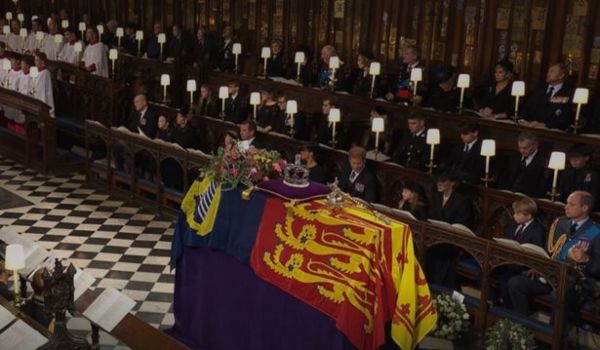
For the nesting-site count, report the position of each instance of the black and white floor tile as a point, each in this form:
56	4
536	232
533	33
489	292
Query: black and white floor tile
123	246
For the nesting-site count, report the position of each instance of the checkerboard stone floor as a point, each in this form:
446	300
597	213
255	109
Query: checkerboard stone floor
123	246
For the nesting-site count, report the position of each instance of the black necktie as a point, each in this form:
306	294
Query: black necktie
573	229
549	92
524	162
519	230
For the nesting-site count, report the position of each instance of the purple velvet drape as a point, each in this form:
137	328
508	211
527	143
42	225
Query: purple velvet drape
220	304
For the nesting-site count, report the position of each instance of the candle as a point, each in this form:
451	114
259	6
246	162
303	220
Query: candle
416	75
254	101
334	117
432	138
191	88
374	71
557	162
488	149
299	60
463	82
119	34
265	54
518	90
223	95
64	24
113	54
161	39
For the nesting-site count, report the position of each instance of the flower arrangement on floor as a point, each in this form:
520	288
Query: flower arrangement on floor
232	166
507	335
453	319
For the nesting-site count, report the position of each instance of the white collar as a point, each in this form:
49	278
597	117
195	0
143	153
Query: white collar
470	145
580	222
555	87
525	224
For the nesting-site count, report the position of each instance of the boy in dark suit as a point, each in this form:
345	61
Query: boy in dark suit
466	159
524	229
356	179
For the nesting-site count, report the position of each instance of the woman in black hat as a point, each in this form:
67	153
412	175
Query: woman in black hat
361	82
268	111
414	200
496	101
444	95
315	170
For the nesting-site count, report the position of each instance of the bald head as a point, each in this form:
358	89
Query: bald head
579	205
140	102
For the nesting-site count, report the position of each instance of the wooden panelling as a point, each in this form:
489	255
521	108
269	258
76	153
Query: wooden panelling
469	34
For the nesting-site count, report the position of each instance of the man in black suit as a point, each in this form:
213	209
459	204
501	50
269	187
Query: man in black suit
525	228
144	117
236	107
276	65
225	58
325	128
578	175
183	133
412	151
248	137
465	160
550	105
283	122
525	173
356	179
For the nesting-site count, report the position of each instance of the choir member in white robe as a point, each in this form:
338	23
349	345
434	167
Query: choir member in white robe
68	54
95	56
24	80
24	85
14	41
31	43
14	73
13	78
49	47
43	83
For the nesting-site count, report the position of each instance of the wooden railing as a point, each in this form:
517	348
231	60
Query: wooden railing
37	147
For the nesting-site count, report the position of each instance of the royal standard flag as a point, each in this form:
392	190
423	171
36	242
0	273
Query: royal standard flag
351	265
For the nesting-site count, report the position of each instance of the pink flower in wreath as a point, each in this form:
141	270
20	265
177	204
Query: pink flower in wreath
234	171
253	171
277	167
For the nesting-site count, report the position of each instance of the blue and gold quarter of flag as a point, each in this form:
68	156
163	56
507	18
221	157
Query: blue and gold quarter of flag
201	205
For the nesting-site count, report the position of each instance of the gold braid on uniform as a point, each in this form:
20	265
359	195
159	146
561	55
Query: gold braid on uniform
555	248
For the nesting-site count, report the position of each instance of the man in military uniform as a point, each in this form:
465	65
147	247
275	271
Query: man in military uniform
573	238
412	151
356	179
402	91
550	106
578	175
